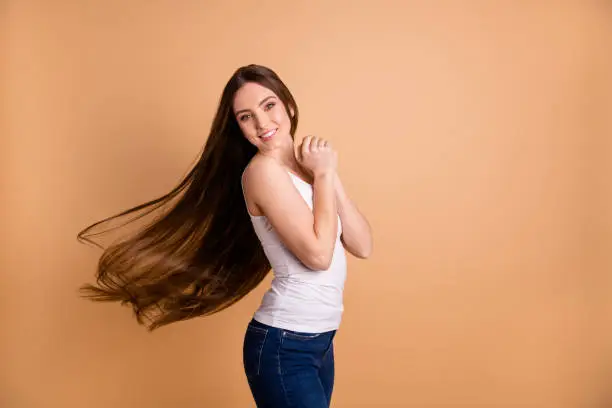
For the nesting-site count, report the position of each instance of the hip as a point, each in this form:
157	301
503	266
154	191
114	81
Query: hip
289	369
268	349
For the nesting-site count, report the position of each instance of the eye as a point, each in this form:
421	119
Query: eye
270	105
244	117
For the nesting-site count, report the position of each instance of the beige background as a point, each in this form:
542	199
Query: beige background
472	134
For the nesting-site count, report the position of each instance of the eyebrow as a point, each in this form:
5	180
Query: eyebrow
260	103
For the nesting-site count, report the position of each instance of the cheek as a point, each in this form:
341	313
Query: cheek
280	116
248	130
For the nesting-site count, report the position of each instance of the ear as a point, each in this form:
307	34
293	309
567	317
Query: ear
291	112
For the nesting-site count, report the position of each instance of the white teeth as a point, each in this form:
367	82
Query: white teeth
268	134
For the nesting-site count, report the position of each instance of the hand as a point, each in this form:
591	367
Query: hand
316	156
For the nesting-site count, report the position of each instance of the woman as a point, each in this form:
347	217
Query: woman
251	203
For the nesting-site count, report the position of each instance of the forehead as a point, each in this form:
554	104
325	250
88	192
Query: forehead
250	95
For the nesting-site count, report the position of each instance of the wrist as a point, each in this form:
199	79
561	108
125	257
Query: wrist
324	174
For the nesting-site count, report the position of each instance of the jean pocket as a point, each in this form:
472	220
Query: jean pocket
314	344
254	341
301	336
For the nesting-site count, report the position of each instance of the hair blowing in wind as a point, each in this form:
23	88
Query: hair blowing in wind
200	253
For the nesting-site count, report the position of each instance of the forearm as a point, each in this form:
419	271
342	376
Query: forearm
325	212
356	231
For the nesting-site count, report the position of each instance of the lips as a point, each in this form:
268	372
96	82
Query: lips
268	135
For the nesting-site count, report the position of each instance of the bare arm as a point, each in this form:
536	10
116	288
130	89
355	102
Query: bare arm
309	235
325	214
356	231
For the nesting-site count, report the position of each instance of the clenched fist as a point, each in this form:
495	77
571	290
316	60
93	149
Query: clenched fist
316	156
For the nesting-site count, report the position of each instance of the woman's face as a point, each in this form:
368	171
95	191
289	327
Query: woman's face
262	117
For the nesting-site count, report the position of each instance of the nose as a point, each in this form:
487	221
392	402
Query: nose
261	120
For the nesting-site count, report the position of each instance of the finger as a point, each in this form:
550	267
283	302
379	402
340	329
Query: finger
297	144
323	143
314	143
306	145
298	153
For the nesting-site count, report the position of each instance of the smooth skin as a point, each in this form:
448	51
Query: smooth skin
269	190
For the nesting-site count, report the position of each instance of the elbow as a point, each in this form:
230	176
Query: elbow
360	250
366	251
319	262
366	248
363	253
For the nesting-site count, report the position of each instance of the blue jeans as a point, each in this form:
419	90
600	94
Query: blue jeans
287	369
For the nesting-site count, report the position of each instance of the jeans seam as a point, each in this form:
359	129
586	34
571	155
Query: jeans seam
263	343
280	371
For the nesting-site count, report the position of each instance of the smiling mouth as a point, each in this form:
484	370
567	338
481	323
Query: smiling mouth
268	134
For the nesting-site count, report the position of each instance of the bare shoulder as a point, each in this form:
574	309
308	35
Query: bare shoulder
263	179
261	170
270	192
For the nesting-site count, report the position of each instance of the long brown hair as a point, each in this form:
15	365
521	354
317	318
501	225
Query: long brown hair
200	255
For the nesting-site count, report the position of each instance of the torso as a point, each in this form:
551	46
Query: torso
299	299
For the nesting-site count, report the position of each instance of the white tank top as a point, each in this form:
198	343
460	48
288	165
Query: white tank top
300	299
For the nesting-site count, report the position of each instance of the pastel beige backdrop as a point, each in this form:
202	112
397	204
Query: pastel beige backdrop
472	134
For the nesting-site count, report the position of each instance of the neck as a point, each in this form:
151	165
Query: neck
285	155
